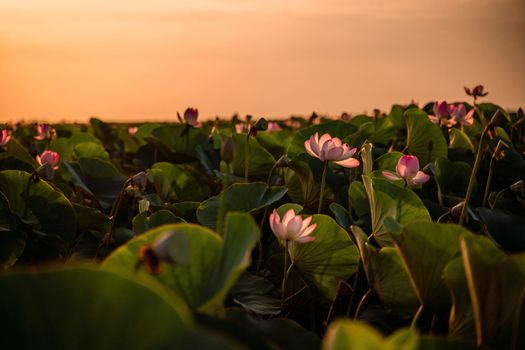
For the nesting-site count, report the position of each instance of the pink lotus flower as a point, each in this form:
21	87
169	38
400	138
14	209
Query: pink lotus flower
274	126
292	227
48	157
443	114
190	117
44	132
240	128
4	137
132	130
327	148
459	114
407	168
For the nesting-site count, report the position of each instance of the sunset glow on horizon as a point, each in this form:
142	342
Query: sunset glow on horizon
139	60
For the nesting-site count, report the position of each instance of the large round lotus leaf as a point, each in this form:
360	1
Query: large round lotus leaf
426	248
330	258
424	139
90	150
388	161
389	200
461	321
16	157
336	128
85	308
178	181
212	266
245	197
47	209
452	177
260	161
385	131
98	177
496	284
180	138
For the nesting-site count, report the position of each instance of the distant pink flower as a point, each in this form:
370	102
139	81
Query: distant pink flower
292	227
48	157
44	132
190	117
459	114
240	128
442	114
274	126
327	148
132	130
4	137
407	168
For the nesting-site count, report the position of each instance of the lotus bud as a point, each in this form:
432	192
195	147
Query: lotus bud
4	137
260	125
477	91
228	150
190	117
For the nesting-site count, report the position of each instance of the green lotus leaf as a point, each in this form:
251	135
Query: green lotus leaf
97	177
260	161
330	258
426	249
245	197
90	150
461	324
180	138
424	139
351	335
386	275
16	157
88	308
389	200
496	285
38	203
179	181
213	265
452	177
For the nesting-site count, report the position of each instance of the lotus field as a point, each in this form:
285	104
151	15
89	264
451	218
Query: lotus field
397	230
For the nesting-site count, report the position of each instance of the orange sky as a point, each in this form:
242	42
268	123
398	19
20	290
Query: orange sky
146	59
